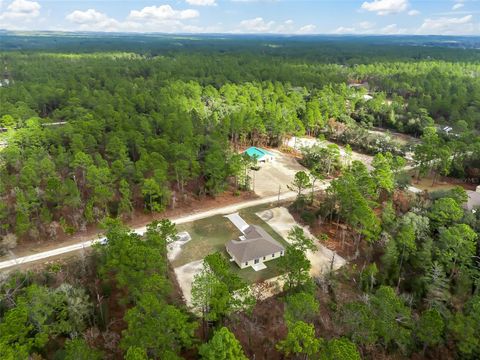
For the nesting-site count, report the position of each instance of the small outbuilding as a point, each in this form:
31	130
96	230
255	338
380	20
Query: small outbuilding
261	155
255	247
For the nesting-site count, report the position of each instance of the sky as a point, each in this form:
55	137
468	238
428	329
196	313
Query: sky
438	17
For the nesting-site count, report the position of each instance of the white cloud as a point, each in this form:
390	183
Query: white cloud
20	11
24	7
202	2
392	29
286	27
457	6
386	7
413	13
257	24
344	30
262	26
365	25
85	17
448	26
92	20
161	13
161	18
370	28
307	29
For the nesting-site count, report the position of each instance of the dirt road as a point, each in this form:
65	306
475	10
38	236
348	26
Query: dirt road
183	219
271	179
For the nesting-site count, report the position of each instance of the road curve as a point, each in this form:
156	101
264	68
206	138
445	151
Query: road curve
180	220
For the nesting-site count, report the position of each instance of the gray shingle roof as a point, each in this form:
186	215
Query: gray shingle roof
258	243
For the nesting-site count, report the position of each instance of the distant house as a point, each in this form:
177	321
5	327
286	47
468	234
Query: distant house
473	201
256	246
363	85
261	155
447	129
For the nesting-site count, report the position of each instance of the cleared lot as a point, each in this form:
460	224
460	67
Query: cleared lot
276	175
299	143
322	260
210	235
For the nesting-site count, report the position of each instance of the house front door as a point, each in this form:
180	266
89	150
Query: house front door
257	261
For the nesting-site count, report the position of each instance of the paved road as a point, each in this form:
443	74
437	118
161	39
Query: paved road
184	219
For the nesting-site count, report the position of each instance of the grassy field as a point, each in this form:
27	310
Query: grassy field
211	234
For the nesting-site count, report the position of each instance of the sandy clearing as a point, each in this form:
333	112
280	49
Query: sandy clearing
175	248
282	222
185	275
276	175
299	143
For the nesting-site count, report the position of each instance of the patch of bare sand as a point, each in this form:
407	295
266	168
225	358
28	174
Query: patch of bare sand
322	260
185	275
276	175
304	142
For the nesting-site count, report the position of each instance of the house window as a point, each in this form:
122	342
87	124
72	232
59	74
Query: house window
246	263
273	255
264	257
281	252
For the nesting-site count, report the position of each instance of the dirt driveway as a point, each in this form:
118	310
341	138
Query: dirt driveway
282	222
276	175
185	275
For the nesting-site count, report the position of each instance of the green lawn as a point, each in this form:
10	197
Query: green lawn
211	234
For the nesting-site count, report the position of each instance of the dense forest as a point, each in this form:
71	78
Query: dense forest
133	125
140	129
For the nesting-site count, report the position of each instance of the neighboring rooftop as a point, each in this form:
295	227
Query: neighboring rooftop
258	243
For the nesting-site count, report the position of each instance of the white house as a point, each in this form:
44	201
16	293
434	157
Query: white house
255	247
